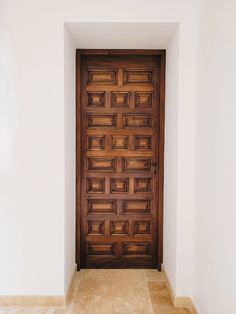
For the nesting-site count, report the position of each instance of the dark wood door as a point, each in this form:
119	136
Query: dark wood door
120	129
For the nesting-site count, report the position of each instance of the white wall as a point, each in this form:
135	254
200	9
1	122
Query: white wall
38	164
171	158
32	149
215	217
70	171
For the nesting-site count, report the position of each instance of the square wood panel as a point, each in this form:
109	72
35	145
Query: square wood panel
143	99
96	227
96	142
120	100
143	142
119	185
142	227
96	99
142	185
119	227
95	185
119	142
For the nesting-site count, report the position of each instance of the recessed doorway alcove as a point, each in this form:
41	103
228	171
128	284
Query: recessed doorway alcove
110	35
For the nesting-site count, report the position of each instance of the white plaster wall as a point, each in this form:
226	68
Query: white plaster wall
215	215
70	171
186	157
32	151
171	158
37	208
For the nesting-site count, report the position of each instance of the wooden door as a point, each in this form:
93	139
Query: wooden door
121	160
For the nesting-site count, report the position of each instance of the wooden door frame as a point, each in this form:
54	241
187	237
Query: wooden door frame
137	52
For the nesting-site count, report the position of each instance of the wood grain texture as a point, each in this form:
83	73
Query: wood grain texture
120	145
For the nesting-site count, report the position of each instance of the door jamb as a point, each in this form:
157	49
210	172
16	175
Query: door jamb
153	52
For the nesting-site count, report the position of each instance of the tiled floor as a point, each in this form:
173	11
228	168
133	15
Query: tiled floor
113	292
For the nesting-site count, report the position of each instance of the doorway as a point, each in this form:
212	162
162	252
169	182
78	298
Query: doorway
120	158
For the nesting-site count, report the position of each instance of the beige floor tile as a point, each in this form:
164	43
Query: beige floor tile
154	275
112	291
161	300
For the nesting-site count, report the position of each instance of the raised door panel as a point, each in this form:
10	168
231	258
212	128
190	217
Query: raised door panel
119	142
136	206
143	99
102	77
101	164
142	185
97	206
137	120
142	228
119	227
96	142
96	227
138	76
143	142
136	249
119	185
120	100
101	120
100	249
136	164
95	185
96	99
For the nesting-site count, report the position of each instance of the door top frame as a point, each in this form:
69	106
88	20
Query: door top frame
137	52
